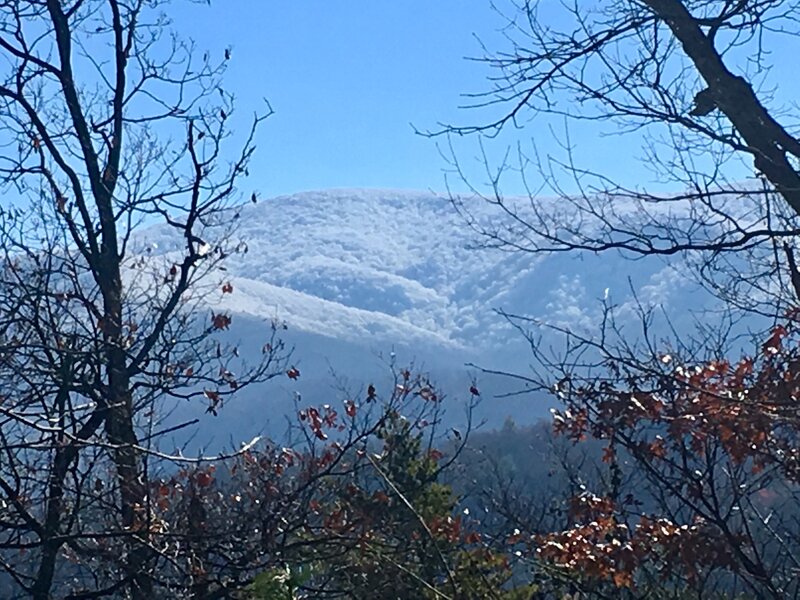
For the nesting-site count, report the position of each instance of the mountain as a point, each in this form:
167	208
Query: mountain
356	274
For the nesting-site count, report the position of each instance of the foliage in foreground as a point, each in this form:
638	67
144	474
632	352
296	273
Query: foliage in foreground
704	472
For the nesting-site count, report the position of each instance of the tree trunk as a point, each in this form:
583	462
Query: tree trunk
766	139
121	435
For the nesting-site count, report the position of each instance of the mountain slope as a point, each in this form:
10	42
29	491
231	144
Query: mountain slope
355	273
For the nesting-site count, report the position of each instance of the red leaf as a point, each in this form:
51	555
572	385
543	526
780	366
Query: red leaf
203	479
350	408
473	537
773	344
220	321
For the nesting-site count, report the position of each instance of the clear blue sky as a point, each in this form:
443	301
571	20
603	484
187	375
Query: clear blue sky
347	77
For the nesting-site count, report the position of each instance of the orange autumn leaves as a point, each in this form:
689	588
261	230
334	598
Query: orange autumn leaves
749	407
668	417
602	546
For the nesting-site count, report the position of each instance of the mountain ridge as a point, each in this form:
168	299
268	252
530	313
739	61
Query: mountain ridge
358	273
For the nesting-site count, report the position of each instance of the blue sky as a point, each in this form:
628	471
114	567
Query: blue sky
348	77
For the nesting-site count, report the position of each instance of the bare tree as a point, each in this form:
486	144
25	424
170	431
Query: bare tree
695	82
110	122
708	433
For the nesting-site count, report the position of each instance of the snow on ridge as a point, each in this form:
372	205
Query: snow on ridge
356	263
312	314
392	254
395	266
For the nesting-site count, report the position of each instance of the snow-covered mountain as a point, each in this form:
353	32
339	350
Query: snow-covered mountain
358	273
